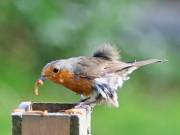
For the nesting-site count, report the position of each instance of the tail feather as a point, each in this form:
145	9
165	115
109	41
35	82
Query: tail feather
147	62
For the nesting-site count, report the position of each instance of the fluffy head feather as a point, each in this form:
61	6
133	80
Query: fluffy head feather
107	52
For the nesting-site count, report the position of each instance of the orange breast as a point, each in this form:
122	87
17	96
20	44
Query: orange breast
75	83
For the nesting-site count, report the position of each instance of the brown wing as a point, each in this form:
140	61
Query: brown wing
92	67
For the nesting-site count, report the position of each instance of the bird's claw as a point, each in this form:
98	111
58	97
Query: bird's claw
81	105
79	109
74	111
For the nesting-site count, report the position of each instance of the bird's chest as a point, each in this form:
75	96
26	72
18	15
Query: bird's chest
74	82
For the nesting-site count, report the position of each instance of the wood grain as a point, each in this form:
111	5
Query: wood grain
46	125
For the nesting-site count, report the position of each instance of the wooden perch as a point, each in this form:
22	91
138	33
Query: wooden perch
49	119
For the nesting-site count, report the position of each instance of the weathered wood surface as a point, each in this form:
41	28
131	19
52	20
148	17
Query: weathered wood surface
54	123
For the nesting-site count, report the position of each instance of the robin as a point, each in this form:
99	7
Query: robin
96	78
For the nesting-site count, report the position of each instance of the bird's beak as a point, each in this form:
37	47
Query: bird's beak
42	78
38	83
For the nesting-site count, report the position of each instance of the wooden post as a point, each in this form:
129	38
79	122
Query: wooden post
28	120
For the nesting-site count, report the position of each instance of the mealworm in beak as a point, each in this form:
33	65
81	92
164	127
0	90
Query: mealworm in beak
36	87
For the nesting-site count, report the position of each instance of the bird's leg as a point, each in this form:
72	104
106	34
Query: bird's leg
83	104
85	99
88	105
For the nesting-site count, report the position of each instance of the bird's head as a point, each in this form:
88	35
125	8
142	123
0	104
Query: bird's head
50	71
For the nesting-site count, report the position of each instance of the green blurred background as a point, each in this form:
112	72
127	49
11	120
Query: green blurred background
33	33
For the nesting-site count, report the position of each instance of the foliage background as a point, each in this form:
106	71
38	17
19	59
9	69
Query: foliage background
33	33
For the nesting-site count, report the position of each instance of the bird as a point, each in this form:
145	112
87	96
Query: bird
97	78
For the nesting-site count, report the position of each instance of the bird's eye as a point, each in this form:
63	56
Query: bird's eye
55	70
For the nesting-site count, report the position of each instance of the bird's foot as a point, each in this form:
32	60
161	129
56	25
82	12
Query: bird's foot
86	106
79	109
74	111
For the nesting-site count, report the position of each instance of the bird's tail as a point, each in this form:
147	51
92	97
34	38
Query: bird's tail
147	62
